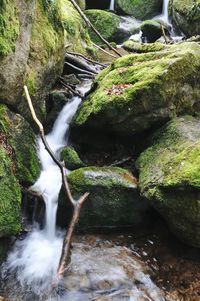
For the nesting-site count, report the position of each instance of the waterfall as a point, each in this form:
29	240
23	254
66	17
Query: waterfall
112	5
34	260
165	15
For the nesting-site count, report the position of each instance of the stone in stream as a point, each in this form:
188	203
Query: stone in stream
139	9
185	15
151	30
71	158
114	199
170	176
142	91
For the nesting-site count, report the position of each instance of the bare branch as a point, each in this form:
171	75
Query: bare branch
90	25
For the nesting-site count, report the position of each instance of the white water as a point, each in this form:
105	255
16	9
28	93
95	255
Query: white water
112	5
35	259
165	11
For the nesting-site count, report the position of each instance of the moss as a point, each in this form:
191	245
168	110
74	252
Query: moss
10	197
142	48
113	198
170	176
139	84
152	30
186	14
105	22
9	26
71	158
140	9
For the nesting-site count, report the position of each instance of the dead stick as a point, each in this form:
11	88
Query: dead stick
90	25
163	32
79	69
62	81
98	47
66	250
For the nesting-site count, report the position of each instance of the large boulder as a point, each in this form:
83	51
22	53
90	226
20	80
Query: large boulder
186	15
33	36
105	22
141	91
140	9
151	30
170	176
113	201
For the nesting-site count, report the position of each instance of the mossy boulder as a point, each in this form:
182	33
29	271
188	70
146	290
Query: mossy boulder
140	9
113	201
105	22
170	176
71	158
33	36
10	195
141	91
21	145
185	15
142	47
151	30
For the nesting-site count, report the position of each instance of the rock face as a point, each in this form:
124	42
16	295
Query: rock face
141	91
105	22
18	165
170	176
140	9
186	15
32	49
113	201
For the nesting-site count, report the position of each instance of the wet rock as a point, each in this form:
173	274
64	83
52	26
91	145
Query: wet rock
105	22
113	201
139	9
151	30
185	15
109	272
32	49
71	158
169	177
141	91
142	48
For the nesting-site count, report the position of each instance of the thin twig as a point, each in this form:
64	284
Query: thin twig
62	80
100	48
164	35
90	25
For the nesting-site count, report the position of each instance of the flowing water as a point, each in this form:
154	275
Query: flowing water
112	5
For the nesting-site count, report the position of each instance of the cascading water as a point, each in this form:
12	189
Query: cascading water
35	259
165	15
112	5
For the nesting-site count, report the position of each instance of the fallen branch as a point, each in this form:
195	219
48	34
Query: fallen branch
62	81
91	26
164	35
77	205
87	59
79	69
79	62
100	48
117	163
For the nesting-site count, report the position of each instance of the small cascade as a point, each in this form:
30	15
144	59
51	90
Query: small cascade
34	260
165	15
112	5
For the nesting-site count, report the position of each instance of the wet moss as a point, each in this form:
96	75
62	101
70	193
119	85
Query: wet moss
10	197
71	158
142	48
9	26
